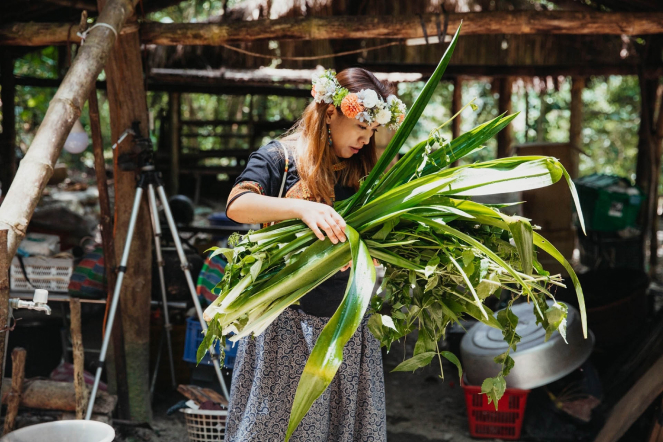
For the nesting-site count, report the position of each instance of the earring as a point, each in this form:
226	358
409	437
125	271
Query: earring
329	138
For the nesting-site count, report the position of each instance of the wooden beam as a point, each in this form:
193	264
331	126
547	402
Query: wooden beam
8	136
175	130
187	85
504	138
575	127
356	27
128	103
37	166
633	404
75	4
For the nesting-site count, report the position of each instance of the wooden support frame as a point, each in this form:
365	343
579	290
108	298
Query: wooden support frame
504	137
8	136
356	27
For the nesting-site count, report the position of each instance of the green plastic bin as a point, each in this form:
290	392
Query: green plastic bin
609	203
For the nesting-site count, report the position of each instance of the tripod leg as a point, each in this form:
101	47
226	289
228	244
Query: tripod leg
189	280
116	298
156	228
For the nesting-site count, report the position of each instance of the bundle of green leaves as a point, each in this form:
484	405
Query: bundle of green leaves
444	254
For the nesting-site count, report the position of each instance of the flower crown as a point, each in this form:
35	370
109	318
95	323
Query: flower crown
366	105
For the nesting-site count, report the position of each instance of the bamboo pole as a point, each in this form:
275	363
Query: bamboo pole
37	166
82	393
14	398
356	27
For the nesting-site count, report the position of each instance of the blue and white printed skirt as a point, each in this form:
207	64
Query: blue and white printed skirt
266	375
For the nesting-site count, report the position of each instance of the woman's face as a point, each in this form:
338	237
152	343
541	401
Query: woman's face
349	135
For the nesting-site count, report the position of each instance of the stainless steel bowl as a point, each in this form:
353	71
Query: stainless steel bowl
537	362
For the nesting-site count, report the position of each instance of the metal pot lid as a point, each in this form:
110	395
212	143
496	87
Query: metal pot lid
537	362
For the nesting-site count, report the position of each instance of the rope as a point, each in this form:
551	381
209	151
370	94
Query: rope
313	57
83	35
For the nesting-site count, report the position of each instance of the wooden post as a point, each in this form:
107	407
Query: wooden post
118	368
504	104
174	110
8	136
5	262
82	393
36	167
575	127
18	374
128	103
648	166
456	105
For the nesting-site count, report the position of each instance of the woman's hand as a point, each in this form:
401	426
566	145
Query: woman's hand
319	217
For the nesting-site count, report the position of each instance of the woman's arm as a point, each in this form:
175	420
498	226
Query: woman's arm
252	208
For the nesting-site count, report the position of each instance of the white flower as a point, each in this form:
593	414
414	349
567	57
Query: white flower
383	117
368	97
364	117
391	99
324	89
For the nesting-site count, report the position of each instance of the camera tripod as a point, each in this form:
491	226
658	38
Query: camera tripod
150	180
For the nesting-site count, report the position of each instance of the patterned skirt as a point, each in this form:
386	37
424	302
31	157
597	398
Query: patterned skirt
266	375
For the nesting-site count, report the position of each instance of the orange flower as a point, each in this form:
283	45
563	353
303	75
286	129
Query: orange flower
350	105
401	117
313	91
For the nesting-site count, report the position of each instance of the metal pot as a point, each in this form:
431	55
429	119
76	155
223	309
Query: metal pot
537	362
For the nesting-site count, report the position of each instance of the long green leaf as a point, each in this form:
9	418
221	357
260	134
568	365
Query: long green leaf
327	354
406	127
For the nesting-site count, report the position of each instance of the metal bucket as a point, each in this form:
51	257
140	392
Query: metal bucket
63	431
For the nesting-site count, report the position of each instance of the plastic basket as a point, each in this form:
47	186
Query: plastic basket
194	337
486	423
51	274
205	425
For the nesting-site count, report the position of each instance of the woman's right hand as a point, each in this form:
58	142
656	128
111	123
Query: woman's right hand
321	217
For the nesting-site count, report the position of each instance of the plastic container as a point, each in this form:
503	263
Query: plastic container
52	274
64	431
487	423
609	203
205	425
194	338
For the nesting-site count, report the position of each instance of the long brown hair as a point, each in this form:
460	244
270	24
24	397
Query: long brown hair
315	160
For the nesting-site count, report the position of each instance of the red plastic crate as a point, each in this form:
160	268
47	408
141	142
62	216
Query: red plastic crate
486	423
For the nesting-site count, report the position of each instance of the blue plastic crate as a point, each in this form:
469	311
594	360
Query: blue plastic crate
193	339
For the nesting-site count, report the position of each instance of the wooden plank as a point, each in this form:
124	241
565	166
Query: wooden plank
356	27
14	397
82	393
128	103
633	404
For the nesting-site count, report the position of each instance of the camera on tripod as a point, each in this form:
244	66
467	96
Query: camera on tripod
142	151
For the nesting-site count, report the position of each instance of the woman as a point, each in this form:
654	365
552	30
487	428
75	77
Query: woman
320	161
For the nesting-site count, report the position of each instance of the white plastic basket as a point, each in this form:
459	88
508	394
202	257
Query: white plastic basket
205	425
52	274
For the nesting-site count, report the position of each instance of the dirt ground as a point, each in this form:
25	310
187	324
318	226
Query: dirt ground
421	407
